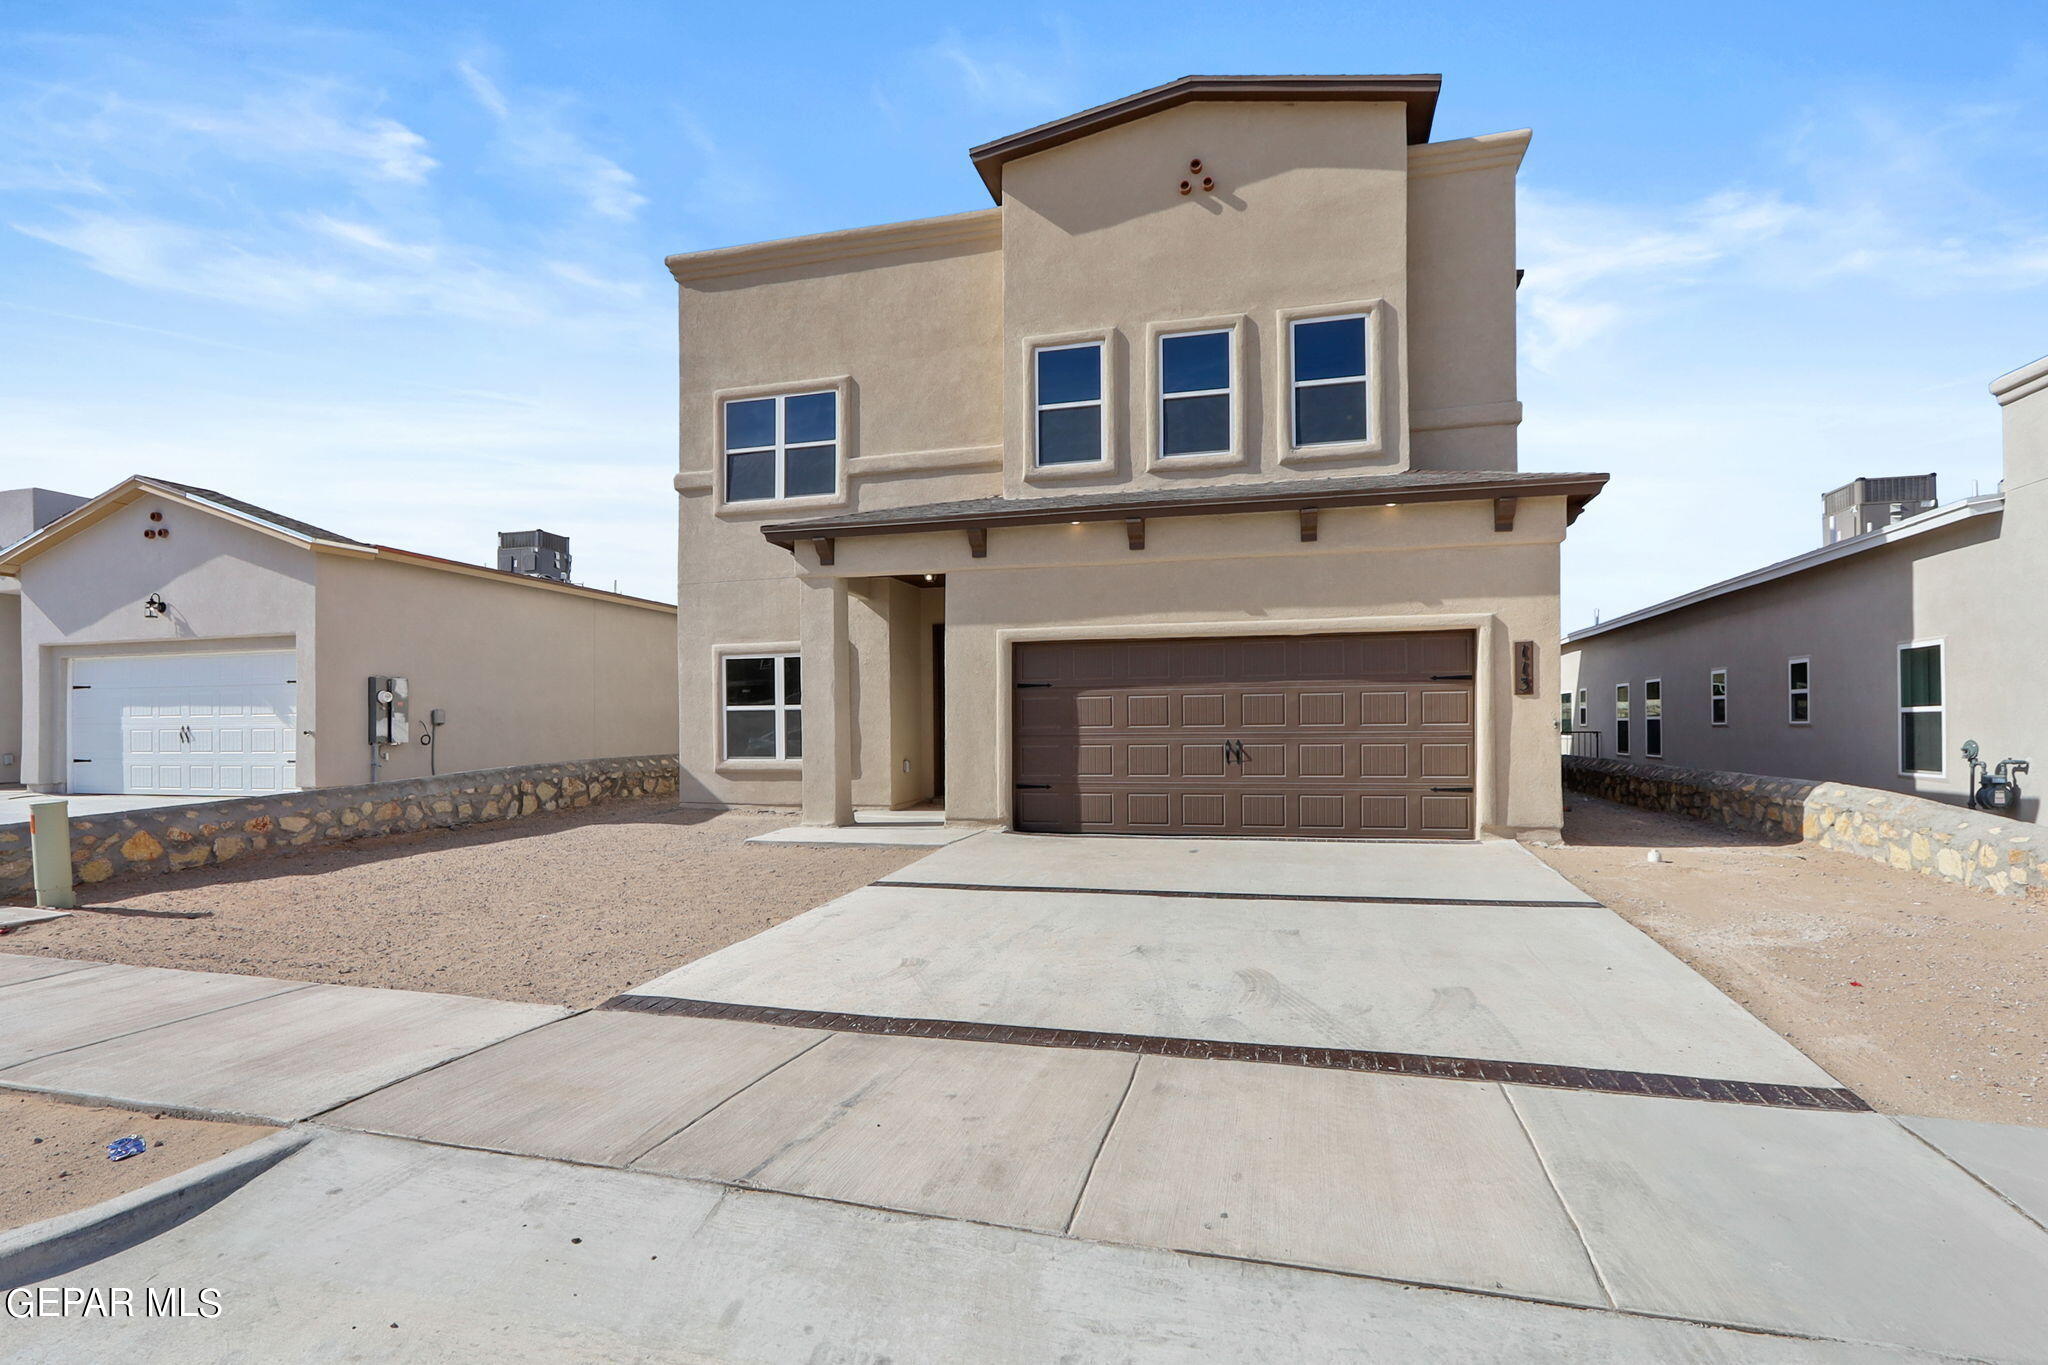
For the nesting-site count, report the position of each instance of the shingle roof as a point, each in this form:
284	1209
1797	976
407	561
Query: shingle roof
250	509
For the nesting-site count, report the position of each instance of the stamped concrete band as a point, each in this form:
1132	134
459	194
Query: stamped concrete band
1319	1058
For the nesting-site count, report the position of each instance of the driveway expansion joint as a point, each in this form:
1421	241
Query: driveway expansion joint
1234	895
1760	1093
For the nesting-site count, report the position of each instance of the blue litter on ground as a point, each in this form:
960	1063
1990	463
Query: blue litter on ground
120	1149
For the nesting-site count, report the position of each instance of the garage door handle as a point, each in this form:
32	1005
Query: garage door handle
1450	677
1450	789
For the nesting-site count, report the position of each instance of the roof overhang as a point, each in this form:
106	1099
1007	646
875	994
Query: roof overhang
1417	92
1307	495
132	489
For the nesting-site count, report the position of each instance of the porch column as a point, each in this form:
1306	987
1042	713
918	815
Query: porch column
827	702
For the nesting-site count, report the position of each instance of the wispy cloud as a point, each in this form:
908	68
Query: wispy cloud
1009	75
535	136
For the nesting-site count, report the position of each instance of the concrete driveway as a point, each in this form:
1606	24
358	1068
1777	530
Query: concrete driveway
1138	1098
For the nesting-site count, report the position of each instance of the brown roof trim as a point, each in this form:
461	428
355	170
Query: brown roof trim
1418	92
1223	500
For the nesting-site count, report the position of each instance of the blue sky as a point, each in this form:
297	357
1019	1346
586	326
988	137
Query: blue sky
397	268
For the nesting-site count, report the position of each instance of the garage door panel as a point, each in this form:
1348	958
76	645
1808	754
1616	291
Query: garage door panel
183	724
1313	735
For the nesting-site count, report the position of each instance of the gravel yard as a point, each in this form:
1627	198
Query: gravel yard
53	1156
1923	997
564	909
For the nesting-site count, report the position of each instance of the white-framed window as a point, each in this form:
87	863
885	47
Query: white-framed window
1564	712
1799	691
1923	689
1067	384
1330	387
1621	718
762	703
1196	392
1653	717
1717	697
1582	709
782	446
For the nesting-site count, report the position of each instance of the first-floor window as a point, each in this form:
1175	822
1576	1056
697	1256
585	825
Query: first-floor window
1717	696
1582	709
1653	717
1799	691
764	715
1564	712
1621	718
1921	709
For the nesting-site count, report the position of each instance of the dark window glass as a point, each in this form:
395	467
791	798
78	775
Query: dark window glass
811	470
1324	413
1621	736
1720	710
1069	435
1653	737
1920	742
1070	375
1798	674
1329	350
810	417
792	680
1195	426
750	734
750	682
1802	706
1920	676
749	424
792	734
1190	363
750	476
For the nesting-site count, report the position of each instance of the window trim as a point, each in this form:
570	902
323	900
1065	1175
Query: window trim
779	649
1028	408
1380	414
1806	691
1653	740
844	428
1720	674
1154	434
1621	718
1939	642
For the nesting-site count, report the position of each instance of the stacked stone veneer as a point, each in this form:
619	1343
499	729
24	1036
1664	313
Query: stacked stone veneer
1988	852
172	838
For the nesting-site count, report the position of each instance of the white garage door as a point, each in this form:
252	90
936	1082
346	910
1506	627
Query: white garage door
185	724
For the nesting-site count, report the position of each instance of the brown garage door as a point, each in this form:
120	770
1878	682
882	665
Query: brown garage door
1355	736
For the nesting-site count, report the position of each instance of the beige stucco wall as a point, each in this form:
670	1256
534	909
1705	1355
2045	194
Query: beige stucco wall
526	674
227	587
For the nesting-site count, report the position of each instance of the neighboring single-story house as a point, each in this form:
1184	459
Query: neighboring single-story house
179	641
1869	660
23	511
1176	493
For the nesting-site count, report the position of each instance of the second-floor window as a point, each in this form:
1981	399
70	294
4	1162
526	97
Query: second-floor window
1067	402
782	447
1330	383
1194	393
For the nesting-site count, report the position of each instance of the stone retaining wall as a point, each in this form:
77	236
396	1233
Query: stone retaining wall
171	838
1988	852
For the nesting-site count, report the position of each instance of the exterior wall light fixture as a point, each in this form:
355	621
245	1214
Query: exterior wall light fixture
155	606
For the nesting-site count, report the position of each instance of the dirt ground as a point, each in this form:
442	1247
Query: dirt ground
1924	998
53	1156
564	909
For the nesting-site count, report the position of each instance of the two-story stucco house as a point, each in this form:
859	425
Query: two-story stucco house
1176	493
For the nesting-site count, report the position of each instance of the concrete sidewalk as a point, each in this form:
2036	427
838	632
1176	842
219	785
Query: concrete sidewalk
503	1258
242	1046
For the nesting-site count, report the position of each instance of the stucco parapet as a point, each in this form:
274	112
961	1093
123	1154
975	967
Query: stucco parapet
1974	849
981	229
1484	152
2020	383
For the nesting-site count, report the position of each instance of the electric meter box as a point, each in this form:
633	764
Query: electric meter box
389	723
